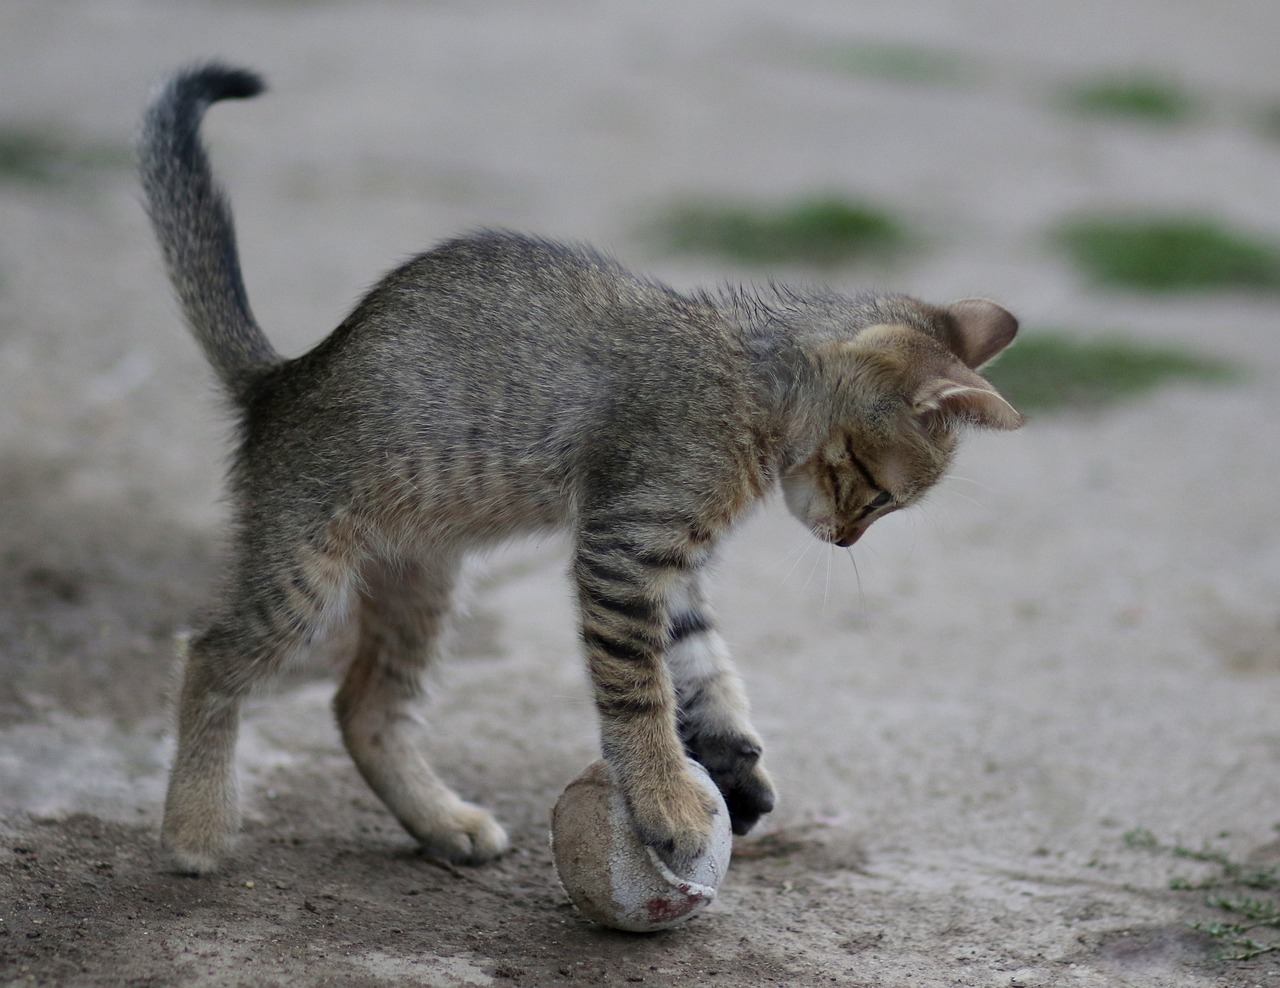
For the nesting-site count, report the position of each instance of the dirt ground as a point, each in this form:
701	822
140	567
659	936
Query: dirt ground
1076	637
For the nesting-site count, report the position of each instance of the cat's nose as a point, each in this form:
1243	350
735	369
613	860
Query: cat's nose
852	534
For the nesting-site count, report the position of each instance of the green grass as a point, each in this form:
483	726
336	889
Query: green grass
820	231
1048	371
38	155
1134	97
1159	253
1247	896
899	63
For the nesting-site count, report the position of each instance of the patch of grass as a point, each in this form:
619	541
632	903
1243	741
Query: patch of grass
1168	253
36	155
1051	371
899	63
821	231
28	155
1266	121
1134	97
1248	894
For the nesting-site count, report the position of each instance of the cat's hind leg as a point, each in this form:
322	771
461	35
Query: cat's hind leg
279	602
403	606
713	713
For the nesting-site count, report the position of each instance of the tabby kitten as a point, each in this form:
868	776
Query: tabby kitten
499	385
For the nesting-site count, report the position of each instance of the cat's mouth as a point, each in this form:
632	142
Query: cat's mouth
844	538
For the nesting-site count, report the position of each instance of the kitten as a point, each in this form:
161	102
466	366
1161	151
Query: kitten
498	385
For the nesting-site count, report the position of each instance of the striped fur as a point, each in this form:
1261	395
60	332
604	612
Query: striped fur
499	385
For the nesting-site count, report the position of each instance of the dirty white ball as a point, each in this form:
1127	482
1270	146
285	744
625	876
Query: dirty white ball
611	876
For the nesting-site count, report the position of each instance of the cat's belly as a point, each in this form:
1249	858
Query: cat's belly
488	507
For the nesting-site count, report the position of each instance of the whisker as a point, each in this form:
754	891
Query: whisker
826	590
798	547
970	480
940	531
862	600
812	569
800	552
871	550
962	497
916	516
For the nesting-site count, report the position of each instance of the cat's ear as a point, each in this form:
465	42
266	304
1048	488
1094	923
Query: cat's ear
964	399
983	329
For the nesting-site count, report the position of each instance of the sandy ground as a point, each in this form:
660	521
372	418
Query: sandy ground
1076	637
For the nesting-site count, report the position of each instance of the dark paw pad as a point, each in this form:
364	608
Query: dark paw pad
734	765
748	801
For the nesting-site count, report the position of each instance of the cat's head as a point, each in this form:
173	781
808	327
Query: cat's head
882	419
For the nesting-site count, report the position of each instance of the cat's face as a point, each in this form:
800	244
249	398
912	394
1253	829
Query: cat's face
888	406
857	477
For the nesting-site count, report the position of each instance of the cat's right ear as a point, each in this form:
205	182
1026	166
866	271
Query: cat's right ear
983	328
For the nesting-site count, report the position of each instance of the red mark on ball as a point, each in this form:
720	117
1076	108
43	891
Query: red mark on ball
666	910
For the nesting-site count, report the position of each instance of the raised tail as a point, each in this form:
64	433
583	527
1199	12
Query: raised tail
192	220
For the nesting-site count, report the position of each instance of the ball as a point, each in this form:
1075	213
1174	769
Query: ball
611	876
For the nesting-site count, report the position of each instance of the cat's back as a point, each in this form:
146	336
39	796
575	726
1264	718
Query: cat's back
501	314
501	334
501	289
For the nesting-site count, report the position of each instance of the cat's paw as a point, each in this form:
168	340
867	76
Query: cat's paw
733	762
190	859
675	817
461	833
197	830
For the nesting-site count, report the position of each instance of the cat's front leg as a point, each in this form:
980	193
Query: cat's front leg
713	711
623	589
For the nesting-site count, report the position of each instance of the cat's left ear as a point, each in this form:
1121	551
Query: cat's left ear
983	329
963	398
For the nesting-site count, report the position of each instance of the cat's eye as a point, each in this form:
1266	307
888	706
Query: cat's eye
880	500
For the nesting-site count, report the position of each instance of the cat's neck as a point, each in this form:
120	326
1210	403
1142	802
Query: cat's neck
784	379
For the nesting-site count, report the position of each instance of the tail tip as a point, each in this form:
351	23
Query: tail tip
211	81
232	82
